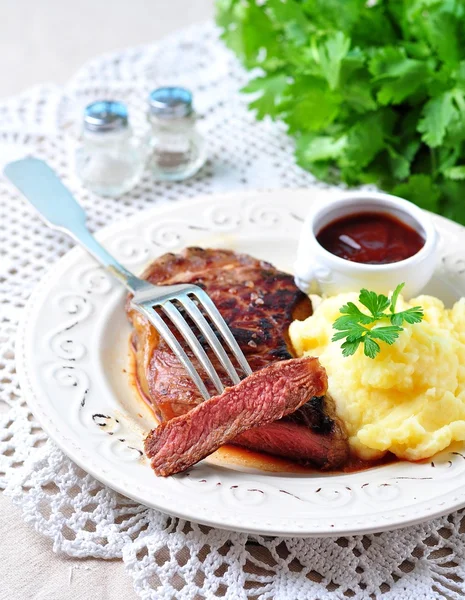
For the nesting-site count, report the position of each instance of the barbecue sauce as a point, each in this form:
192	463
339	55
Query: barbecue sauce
370	238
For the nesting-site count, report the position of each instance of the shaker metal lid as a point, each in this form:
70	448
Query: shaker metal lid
170	102
105	115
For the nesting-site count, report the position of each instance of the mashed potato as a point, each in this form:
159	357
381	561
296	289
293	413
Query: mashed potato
410	399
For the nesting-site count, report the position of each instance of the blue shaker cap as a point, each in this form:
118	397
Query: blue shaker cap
170	102
105	115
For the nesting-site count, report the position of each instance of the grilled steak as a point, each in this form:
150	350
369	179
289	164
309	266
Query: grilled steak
266	395
311	434
258	302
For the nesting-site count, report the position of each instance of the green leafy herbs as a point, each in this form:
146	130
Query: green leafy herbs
351	326
373	92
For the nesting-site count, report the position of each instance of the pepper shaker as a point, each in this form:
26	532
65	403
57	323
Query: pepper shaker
108	160
177	150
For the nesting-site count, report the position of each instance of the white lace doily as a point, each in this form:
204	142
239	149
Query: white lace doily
169	558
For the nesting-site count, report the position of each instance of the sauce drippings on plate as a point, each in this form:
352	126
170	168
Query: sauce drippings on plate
370	238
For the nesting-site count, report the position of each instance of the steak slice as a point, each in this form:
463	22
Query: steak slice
263	397
311	434
258	302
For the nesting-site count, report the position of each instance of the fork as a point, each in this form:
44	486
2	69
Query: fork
59	209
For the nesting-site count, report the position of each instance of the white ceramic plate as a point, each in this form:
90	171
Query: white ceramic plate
73	359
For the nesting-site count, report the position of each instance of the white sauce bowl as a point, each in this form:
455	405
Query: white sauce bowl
317	270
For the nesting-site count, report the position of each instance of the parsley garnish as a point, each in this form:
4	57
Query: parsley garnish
371	92
351	325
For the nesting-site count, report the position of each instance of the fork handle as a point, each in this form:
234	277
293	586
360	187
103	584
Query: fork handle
60	210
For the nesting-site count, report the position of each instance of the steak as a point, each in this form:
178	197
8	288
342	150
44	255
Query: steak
266	395
312	434
258	302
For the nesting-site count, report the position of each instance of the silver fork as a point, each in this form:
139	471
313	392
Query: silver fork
57	207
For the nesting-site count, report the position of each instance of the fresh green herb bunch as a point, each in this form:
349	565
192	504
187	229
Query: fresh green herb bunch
374	92
351	326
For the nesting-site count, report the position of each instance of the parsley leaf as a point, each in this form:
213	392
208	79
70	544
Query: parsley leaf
351	331
454	191
400	162
370	347
350	309
438	114
387	334
349	348
269	92
365	139
395	295
421	190
248	31
395	75
309	105
312	149
351	325
333	14
442	30
411	316
374	302
457	172
331	52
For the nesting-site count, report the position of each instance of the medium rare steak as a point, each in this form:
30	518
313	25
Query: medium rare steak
311	434
258	302
266	395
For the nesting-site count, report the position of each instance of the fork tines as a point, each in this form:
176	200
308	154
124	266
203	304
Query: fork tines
191	299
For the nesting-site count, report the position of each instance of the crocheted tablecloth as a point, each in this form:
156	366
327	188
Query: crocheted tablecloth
168	557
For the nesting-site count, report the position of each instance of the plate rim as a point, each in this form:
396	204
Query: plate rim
434	511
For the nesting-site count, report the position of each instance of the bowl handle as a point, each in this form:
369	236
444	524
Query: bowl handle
310	276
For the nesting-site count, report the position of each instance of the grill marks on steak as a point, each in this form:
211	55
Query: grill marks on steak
263	397
258	302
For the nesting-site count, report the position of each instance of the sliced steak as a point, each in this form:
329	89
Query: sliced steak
263	397
258	302
311	434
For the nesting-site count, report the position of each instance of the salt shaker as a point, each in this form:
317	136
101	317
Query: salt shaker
108	160
177	150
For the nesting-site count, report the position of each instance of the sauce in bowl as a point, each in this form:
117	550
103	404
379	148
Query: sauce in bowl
372	238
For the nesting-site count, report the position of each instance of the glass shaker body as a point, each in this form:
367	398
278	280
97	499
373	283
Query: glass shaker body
177	150
108	160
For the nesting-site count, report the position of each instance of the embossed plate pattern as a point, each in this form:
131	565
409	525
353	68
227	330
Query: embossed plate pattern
72	353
